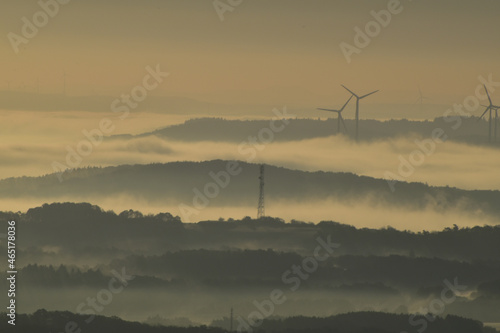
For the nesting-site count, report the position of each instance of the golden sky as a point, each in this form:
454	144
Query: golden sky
264	54
263	51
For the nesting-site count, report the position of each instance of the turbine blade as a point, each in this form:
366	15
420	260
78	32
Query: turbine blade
373	92
349	91
343	123
487	109
342	109
487	93
328	110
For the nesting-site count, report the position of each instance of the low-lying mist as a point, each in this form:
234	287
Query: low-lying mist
360	213
447	164
202	306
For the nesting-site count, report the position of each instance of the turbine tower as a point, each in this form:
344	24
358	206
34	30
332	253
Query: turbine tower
358	98
490	108
260	209
496	123
339	116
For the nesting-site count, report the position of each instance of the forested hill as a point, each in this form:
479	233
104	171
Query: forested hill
76	228
467	130
178	182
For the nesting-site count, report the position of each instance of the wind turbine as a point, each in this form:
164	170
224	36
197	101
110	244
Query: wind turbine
490	108
339	116
493	108
421	98
358	98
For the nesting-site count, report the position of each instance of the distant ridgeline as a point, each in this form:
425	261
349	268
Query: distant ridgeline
361	322
467	130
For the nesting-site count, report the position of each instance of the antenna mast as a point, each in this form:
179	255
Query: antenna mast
260	210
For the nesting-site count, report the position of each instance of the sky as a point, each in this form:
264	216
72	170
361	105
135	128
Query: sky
258	55
271	52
